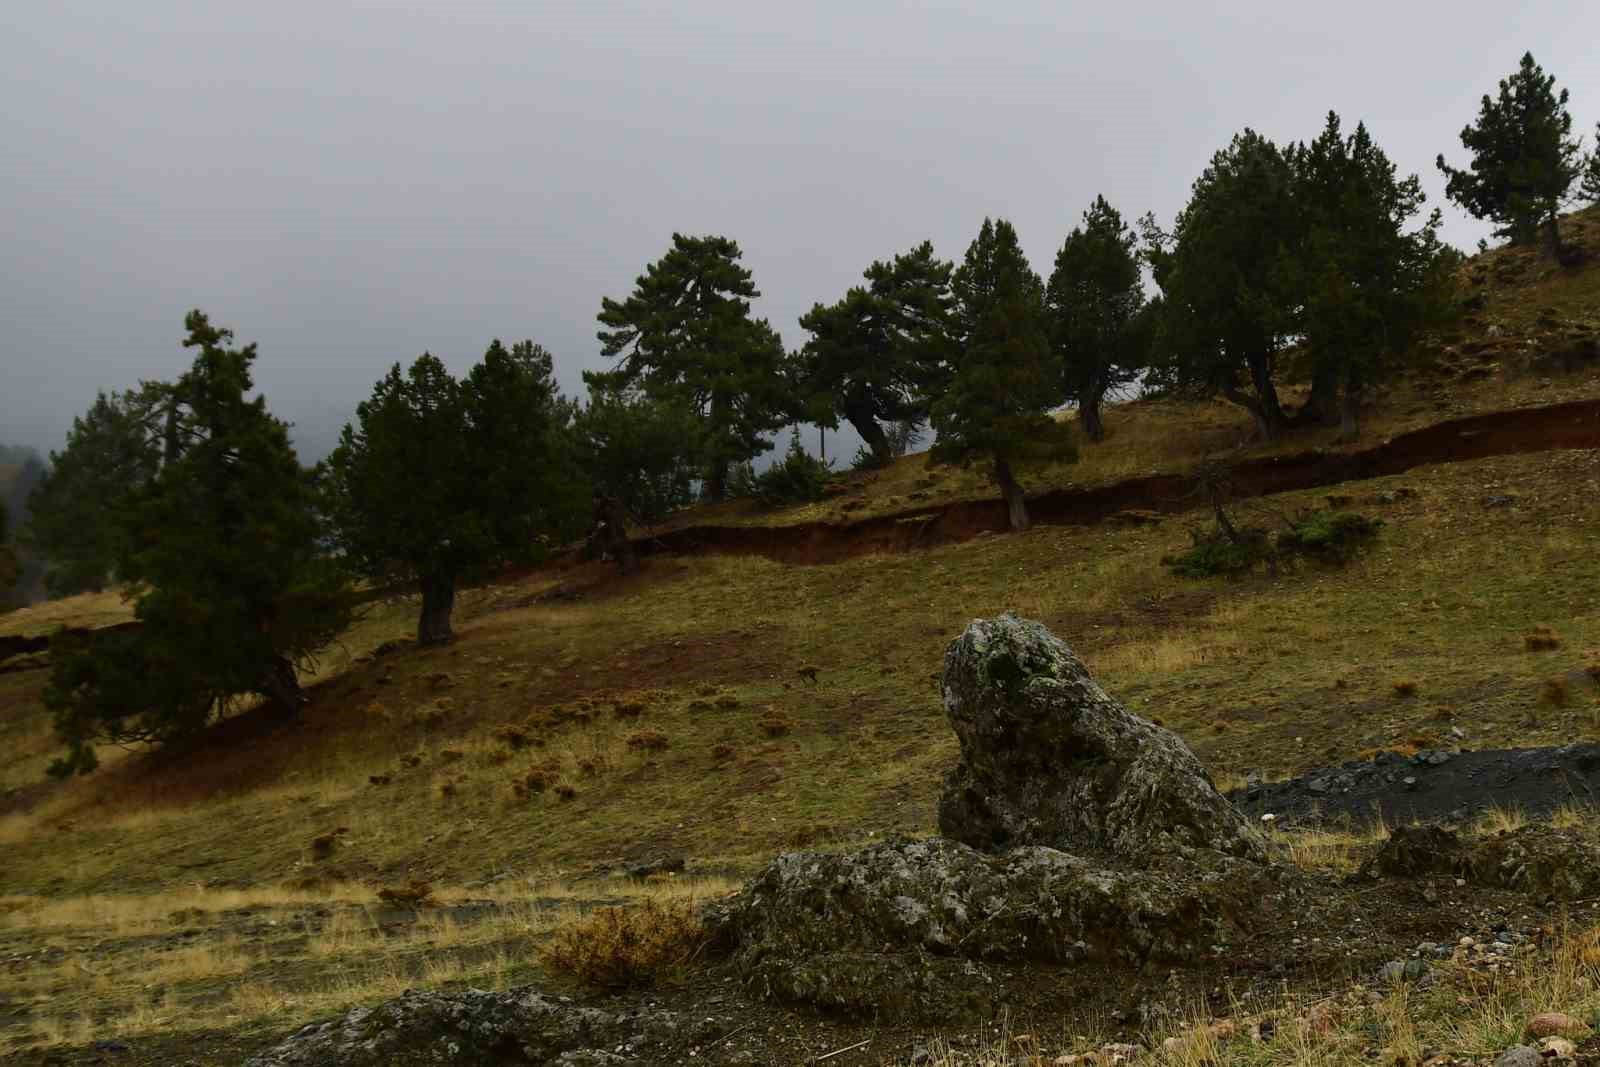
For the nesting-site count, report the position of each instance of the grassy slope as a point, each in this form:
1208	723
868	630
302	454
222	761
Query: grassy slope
1278	674
1496	358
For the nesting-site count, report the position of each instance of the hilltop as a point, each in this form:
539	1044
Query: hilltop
717	709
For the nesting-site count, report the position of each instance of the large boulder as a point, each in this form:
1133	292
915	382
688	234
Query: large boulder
1047	758
473	1027
897	928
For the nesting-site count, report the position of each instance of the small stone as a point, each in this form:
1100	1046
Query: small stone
1554	1024
1519	1056
1558	1047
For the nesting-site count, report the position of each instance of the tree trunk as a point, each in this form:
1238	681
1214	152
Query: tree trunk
1016	502
716	487
1350	409
438	600
281	687
1272	420
1094	426
859	413
614	534
1322	406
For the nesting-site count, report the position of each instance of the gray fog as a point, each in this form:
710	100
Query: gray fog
351	183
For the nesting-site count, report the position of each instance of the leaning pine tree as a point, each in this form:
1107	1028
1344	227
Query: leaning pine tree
222	554
685	335
439	481
1004	378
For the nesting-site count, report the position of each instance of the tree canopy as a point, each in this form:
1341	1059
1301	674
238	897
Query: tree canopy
1524	157
222	554
1229	305
1094	302
1366	282
639	455
873	354
685	335
112	449
1003	378
440	480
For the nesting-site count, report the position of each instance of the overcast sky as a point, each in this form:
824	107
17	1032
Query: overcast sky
350	184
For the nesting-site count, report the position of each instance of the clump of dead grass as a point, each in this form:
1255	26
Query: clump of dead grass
1541	639
622	947
647	741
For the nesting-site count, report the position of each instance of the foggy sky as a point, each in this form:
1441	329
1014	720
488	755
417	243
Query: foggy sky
351	183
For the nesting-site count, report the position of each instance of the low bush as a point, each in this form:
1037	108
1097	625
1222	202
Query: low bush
647	741
800	478
615	948
1215	554
1329	536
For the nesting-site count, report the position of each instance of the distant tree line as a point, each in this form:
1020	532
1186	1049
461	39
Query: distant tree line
1310	260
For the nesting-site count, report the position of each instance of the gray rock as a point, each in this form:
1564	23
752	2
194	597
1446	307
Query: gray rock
1536	859
900	928
1047	758
518	1026
1519	1056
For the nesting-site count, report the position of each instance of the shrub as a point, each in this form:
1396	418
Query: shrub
566	791
617	948
1555	692
1405	687
647	741
1215	554
867	460
775	725
799	479
533	783
721	753
512	735
414	894
1329	536
1541	639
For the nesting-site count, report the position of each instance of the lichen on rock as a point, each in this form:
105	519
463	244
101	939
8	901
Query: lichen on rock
1047	758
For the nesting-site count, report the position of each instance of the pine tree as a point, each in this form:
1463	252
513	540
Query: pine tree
1094	301
10	569
685	335
440	481
1229	304
872	355
1368	284
1003	379
222	554
639	456
1590	189
112	450
1524	158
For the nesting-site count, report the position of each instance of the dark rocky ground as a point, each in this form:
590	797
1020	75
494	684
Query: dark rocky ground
1432	786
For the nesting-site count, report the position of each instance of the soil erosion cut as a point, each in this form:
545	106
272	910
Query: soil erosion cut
1572	425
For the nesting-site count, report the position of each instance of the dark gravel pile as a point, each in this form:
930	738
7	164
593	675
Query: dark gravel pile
1432	786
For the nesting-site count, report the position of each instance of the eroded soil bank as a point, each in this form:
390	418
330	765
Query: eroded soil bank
1572	425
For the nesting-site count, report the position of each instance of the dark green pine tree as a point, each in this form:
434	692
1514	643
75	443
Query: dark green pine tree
1369	283
112	449
222	554
685	335
1524	158
10	568
1229	304
1004	378
639	454
440	481
872	356
1094	301
1590	189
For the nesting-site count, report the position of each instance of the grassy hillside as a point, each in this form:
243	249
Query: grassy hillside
1530	336
204	898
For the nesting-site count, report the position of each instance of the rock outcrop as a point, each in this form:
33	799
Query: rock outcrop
1047	758
518	1026
1074	832
1546	863
897	929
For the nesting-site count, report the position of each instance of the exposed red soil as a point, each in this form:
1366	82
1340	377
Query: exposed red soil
1572	425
